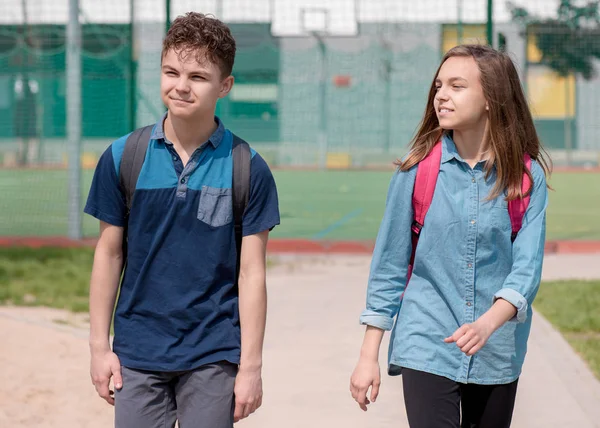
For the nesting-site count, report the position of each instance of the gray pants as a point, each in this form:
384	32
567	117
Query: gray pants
200	398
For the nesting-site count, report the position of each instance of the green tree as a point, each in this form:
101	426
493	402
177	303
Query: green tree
569	43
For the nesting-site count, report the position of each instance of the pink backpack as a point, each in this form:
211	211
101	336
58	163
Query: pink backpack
427	173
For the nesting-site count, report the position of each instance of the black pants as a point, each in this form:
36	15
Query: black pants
435	402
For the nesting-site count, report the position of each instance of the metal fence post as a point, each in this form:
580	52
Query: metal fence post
73	76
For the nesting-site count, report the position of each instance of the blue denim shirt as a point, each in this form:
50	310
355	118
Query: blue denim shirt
464	262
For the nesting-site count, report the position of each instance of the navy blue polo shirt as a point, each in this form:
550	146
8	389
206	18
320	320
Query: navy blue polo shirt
178	307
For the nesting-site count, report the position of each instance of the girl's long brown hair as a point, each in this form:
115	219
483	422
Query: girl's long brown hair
510	132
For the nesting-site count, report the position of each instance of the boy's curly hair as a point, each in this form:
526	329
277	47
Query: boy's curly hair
203	36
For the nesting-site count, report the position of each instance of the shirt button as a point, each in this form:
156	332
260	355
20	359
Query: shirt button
472	221
174	157
473	180
469	303
470	265
183	181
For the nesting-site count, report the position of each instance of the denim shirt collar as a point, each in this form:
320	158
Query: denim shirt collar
449	150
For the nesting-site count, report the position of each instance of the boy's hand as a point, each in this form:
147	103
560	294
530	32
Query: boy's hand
104	365
248	393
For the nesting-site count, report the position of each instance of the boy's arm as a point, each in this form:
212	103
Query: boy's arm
106	273
260	216
253	313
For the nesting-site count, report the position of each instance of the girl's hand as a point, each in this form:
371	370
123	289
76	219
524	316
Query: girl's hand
470	338
366	374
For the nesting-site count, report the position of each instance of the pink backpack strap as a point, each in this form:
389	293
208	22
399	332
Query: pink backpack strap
517	207
427	174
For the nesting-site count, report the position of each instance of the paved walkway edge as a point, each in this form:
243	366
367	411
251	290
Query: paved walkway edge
296	246
576	376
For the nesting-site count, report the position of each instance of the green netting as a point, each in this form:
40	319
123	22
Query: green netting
330	84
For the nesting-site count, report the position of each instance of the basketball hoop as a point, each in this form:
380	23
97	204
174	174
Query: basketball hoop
342	80
315	18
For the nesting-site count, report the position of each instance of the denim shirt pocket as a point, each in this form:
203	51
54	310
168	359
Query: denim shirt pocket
497	212
215	206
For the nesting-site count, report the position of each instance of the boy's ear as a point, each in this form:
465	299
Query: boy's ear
226	86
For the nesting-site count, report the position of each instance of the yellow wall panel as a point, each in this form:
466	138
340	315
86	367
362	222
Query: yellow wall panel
471	33
550	96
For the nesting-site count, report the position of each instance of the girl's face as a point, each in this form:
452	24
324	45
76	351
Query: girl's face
459	102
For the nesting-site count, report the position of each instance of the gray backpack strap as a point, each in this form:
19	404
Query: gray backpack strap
240	191
129	171
132	161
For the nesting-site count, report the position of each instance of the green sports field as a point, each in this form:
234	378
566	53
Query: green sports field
327	205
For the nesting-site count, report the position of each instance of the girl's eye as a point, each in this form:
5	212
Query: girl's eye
437	88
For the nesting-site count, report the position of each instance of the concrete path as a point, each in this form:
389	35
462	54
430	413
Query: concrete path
312	344
313	341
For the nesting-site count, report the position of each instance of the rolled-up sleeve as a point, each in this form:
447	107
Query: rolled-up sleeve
522	284
389	266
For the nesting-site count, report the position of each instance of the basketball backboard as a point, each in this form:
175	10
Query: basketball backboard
302	18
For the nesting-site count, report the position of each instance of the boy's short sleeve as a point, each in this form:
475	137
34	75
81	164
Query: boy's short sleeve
262	212
105	200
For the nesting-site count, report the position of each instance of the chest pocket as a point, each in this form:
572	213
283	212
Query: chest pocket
215	206
496	214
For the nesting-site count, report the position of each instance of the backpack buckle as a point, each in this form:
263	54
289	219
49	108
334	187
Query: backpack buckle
416	227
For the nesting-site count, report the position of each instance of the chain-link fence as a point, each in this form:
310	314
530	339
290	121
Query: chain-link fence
328	84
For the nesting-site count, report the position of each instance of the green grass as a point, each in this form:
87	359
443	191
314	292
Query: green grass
331	205
572	307
53	277
574	207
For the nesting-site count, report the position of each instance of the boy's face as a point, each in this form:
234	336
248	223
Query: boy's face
190	89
